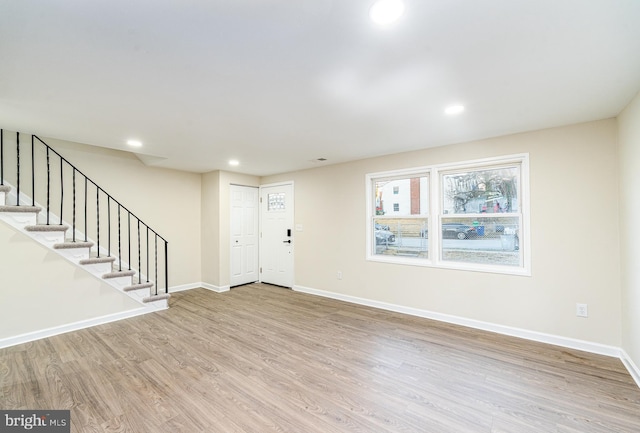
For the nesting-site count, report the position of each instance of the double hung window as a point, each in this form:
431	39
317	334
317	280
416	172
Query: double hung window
401	215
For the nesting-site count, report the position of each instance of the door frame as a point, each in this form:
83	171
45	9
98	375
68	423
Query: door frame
293	244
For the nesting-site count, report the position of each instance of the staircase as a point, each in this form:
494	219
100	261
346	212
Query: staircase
130	257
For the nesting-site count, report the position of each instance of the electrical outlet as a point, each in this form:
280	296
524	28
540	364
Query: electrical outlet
339	275
581	310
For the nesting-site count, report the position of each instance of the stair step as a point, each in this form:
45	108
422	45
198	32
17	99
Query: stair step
70	244
20	209
138	286
5	188
94	260
47	228
117	274
158	297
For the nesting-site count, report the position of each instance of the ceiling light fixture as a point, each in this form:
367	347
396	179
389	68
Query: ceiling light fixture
134	143
385	12
234	162
454	109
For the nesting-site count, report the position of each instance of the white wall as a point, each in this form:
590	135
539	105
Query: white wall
574	225
629	149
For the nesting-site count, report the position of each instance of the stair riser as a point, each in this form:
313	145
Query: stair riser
162	304
48	238
18	220
119	282
139	294
98	268
3	199
74	254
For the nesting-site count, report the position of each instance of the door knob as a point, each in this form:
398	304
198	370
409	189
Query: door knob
287	242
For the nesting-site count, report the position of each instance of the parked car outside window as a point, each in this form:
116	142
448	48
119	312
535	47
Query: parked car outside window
384	235
454	231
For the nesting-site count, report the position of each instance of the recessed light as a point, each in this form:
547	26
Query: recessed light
134	143
385	12
234	162
454	109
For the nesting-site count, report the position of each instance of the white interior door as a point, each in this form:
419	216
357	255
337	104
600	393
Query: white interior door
276	242
244	235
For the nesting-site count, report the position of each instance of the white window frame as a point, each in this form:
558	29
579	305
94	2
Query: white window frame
371	199
435	215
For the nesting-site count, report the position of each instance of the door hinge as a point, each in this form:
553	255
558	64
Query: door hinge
260	199
260	270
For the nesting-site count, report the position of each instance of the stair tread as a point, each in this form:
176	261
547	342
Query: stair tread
46	228
116	274
5	188
20	209
93	260
71	244
138	286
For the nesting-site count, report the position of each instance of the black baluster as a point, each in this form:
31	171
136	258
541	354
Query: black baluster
109	226
139	258
129	237
33	173
98	218
73	233
166	267
61	189
156	258
119	242
86	201
147	254
18	168
48	185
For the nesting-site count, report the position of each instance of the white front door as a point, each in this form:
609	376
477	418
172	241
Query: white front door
244	235
276	243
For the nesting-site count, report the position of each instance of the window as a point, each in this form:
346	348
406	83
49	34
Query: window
276	202
398	227
481	219
471	215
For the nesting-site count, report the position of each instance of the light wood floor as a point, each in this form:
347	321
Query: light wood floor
262	358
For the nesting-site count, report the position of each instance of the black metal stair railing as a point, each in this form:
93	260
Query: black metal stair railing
53	191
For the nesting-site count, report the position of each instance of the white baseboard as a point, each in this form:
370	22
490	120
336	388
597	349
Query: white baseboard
62	329
199	285
218	289
184	287
556	340
630	365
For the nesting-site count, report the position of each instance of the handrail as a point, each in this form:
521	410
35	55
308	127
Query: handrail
64	163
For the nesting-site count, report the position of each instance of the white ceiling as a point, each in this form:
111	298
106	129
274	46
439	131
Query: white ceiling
277	84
